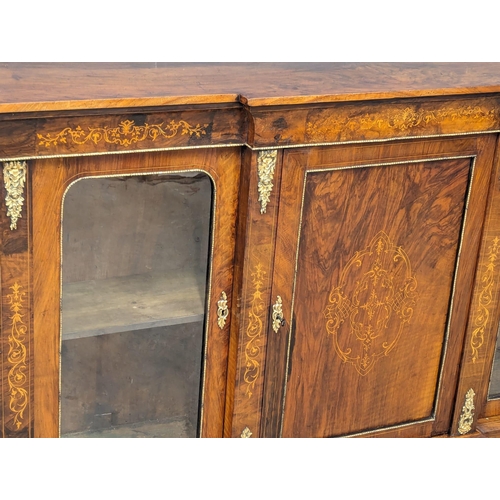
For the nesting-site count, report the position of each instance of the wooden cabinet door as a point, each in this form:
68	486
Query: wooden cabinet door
52	185
375	257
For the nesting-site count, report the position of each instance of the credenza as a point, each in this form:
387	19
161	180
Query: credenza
250	250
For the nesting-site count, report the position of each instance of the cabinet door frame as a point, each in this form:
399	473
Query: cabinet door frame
50	180
482	328
296	164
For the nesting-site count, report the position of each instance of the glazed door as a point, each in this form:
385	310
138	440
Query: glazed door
373	270
133	281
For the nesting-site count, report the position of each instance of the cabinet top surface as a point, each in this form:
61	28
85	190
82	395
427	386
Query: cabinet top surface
26	87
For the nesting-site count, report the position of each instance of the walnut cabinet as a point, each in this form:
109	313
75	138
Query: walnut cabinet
302	250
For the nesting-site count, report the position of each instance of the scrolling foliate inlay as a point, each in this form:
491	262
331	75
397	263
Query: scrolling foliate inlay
347	125
481	314
467	415
372	303
266	163
254	331
14	176
126	134
17	377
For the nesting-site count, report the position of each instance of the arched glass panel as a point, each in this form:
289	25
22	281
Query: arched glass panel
135	272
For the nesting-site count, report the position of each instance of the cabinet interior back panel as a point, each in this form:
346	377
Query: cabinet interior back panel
376	260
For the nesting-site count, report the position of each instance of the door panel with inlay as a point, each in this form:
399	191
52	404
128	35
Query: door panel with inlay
370	269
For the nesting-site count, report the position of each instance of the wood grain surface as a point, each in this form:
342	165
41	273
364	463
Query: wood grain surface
249	330
120	131
29	87
16	337
353	210
84	119
372	121
484	316
50	180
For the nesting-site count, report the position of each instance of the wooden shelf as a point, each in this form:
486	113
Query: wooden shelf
169	428
92	308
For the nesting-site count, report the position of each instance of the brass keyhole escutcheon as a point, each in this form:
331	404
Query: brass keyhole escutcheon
222	310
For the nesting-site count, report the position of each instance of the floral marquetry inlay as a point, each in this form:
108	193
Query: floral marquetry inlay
371	304
17	356
126	134
254	331
481	313
403	120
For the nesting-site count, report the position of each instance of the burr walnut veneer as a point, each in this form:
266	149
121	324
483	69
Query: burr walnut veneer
250	250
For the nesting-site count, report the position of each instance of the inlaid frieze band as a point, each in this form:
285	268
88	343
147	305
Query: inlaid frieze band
481	314
343	124
14	176
17	357
372	303
126	134
266	163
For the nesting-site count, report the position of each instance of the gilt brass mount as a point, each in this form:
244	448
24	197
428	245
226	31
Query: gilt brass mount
278	320
222	310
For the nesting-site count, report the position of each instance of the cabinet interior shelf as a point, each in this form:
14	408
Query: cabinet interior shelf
137	302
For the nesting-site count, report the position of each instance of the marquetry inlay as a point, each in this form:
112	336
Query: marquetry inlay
373	301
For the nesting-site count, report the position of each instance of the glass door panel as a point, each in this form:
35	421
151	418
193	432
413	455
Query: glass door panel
494	392
135	272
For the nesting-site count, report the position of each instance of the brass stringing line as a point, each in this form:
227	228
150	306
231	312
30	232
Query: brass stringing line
455	271
390	428
388	139
447	334
291	309
209	284
106	153
241	144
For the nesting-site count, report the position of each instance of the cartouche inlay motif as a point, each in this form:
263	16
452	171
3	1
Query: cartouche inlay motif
372	303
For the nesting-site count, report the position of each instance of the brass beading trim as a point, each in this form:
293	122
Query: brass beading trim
447	329
209	282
